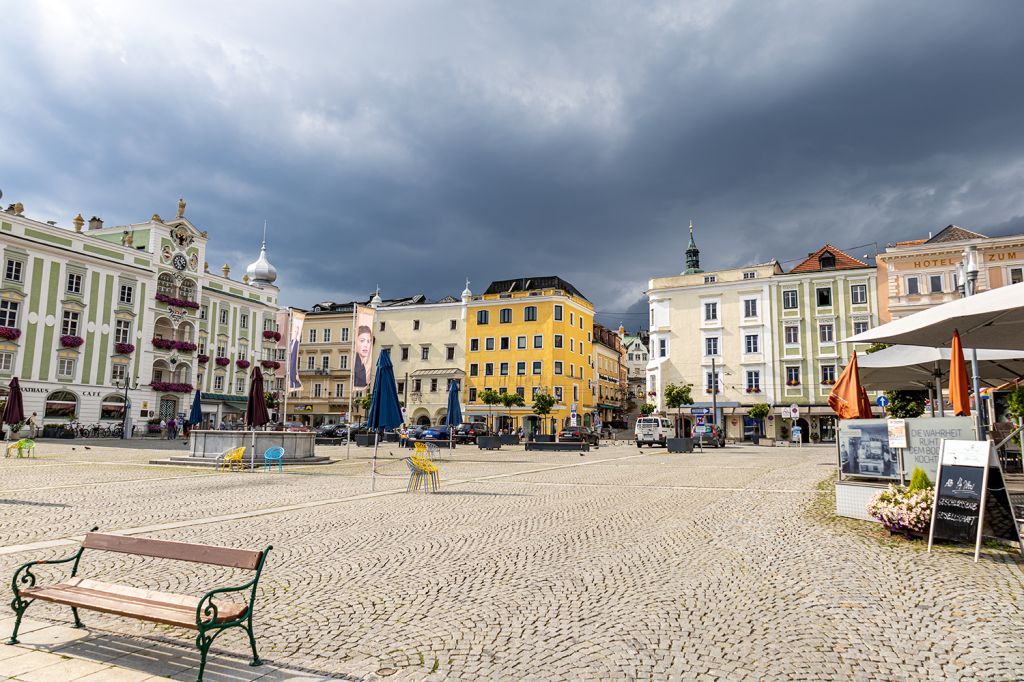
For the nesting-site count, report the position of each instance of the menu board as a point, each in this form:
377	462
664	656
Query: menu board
958	503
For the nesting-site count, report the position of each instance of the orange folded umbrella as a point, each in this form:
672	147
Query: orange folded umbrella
865	404
847	397
959	389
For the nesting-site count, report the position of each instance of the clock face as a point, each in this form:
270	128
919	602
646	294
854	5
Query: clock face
179	262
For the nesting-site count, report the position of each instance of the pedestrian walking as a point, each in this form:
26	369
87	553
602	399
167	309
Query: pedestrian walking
33	425
170	429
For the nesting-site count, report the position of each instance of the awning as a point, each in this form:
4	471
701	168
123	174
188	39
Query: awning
223	398
444	372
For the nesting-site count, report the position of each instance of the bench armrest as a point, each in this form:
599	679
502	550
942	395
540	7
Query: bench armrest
24	577
206	609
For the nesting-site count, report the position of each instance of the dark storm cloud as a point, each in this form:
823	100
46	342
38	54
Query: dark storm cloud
412	146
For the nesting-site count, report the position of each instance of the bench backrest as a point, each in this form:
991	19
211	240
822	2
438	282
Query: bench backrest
181	551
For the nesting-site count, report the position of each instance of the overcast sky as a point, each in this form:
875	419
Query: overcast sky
414	144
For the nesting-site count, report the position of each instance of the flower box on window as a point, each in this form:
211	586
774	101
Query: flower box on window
222	362
827	382
124	348
170	387
242	364
10	333
271	334
176	302
203	358
753	389
68	341
185	346
793	382
163	344
270	364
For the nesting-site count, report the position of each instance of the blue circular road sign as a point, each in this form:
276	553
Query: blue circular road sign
882	401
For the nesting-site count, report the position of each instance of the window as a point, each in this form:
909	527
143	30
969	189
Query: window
935	284
482	316
312	336
165	285
74	283
127	294
572	370
344	334
449	352
317	390
825	333
558	313
453	325
572	318
415	325
828	374
69	325
558	394
789	300
824	295
9	313
417	384
751	343
240	385
535	392
506	343
750	307
472	394
505	316
912	286
310	362
13	270
572	345
521	369
558	366
474	345
521	342
581	322
503	369
243	321
827	261
61	404
218	383
663	348
538	341
382	326
327	335
222	351
710	312
753	380
710	279
474	369
122	331
223	316
489	369
1016	275
118	373
558	341
343	362
325	362
859	293
424	352
433	385
792	334
521	392
537	367
711	346
187	290
489	343
711	382
750	275
65	367
530	313
204	312
339	390
792	376
405	353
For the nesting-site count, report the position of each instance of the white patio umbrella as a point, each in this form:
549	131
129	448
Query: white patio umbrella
919	367
993	320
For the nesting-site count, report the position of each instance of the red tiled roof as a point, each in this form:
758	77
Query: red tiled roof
955	233
912	242
844	261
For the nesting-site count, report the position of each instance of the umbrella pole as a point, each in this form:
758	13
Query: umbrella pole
938	391
373	462
252	462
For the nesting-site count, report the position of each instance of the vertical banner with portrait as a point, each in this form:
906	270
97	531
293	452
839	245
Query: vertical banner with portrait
362	358
294	336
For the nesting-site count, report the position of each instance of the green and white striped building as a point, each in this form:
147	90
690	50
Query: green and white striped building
84	308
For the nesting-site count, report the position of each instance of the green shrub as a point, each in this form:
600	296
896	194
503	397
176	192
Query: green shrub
919	481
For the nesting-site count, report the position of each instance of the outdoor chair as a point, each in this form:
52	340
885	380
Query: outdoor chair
229	458
271	456
433	452
420	447
25	447
430	470
416	475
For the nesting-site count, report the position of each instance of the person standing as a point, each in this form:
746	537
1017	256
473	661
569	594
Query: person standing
170	429
33	425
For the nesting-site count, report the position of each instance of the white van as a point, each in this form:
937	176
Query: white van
653	431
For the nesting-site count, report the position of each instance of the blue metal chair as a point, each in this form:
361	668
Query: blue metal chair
274	454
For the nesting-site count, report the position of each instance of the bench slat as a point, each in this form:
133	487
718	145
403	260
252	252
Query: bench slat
182	551
122	600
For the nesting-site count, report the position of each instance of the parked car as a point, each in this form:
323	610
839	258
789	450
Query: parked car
433	433
296	427
652	431
711	435
578	434
331	431
467	432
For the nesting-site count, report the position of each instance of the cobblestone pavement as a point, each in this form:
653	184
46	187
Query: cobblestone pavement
619	564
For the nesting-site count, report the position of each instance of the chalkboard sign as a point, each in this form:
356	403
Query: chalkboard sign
958	503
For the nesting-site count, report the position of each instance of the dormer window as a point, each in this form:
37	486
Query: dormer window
827	261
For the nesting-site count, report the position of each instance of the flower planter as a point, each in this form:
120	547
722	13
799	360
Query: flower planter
679	444
124	348
203	358
488	442
10	333
543	438
176	302
170	387
242	364
67	341
222	362
272	335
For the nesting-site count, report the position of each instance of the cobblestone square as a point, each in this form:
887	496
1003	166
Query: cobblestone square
618	564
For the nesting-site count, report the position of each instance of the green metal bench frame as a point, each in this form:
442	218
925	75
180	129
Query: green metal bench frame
206	610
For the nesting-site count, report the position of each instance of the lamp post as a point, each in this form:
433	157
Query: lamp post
128	385
967	280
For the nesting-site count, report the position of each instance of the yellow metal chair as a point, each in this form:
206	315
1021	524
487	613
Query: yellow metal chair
23	446
430	469
232	457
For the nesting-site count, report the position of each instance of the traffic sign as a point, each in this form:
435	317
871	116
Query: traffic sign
882	401
700	420
794	411
700	410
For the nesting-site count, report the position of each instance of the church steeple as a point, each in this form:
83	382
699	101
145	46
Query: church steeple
692	255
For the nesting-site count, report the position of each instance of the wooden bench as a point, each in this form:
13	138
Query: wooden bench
210	614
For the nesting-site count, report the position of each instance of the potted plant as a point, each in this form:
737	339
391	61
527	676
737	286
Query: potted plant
10	333
70	341
758	412
677	396
124	348
905	510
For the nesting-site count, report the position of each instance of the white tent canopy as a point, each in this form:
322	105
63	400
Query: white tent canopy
918	367
993	319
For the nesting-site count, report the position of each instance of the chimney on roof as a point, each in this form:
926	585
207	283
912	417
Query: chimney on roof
95	223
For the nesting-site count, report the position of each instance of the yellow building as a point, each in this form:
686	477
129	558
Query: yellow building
531	336
611	386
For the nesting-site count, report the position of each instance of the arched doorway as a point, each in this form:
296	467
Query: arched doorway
531	425
805	430
61	405
423	420
168	407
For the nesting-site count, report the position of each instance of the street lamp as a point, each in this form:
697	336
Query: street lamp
128	385
967	280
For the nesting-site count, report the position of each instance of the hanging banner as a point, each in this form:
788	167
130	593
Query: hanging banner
294	336
362	364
